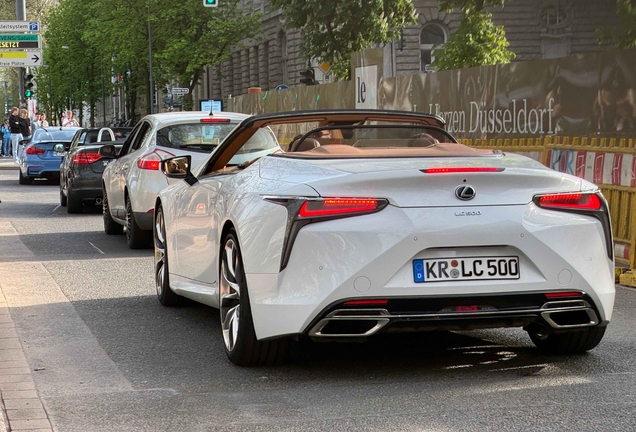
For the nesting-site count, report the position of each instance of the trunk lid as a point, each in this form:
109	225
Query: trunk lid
405	184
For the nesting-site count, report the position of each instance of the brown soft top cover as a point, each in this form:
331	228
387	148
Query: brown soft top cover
442	149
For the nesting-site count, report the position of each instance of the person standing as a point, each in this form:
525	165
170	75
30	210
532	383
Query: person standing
43	122
25	124
6	139
25	128
16	134
70	120
36	123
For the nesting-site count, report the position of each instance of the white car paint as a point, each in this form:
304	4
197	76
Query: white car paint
370	256
124	177
375	226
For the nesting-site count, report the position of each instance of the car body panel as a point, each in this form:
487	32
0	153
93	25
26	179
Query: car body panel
124	178
295	275
48	163
85	180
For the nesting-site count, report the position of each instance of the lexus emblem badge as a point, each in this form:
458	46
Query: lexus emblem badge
465	192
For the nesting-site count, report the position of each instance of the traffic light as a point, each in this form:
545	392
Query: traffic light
210	3
308	77
28	86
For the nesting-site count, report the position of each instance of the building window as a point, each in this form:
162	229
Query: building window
283	56
555	15
432	34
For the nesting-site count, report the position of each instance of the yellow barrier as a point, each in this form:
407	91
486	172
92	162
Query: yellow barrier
608	162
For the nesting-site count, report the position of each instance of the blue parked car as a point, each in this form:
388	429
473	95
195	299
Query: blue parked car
38	159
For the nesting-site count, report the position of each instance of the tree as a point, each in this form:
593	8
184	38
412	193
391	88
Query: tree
477	41
333	30
193	38
625	36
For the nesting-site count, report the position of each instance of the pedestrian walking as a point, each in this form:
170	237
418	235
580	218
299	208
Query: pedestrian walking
16	134
6	139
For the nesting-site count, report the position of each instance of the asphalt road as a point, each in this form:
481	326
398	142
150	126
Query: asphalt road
113	359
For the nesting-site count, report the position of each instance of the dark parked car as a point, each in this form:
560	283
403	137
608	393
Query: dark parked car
82	166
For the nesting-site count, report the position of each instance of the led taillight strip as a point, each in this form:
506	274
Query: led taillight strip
570	201
338	206
450	170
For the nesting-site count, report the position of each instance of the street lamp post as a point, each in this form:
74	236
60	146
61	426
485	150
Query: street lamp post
70	81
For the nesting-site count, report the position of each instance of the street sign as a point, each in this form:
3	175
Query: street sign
20	26
13	41
20	58
180	90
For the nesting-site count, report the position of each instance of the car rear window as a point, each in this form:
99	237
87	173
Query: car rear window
54	135
201	137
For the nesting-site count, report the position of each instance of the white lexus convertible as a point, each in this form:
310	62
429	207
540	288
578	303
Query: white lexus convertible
379	221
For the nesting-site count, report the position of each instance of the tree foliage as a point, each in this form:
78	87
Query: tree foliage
625	35
477	41
107	42
333	30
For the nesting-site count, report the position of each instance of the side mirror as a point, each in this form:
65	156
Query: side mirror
23	142
59	148
108	151
179	168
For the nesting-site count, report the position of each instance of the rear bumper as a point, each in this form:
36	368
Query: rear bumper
88	187
372	257
456	313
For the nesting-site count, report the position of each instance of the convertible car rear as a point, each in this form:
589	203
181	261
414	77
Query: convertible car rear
376	221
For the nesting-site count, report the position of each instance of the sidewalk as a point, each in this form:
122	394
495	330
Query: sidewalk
7	163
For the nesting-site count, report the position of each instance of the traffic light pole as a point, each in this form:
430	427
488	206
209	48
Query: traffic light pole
20	14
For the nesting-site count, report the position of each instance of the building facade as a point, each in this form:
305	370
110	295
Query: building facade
535	29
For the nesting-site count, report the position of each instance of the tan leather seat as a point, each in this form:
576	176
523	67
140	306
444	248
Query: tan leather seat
306	144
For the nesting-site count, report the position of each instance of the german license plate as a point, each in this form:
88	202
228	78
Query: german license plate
465	268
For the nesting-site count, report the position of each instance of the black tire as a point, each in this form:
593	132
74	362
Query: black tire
73	205
241	345
24	180
110	226
63	200
135	236
166	296
568	342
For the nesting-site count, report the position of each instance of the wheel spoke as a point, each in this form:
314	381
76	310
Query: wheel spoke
229	295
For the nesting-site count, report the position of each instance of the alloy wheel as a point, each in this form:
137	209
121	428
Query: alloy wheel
160	252
229	294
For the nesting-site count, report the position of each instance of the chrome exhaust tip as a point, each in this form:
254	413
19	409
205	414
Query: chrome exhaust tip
569	314
351	323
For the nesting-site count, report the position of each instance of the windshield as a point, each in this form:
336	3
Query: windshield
203	137
53	135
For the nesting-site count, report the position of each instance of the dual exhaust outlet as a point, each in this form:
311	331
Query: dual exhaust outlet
366	322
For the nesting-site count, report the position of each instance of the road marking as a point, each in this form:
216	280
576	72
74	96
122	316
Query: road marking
98	249
56	207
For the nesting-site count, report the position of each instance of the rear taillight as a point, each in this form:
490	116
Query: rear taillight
586	203
152	161
570	201
215	120
326	207
449	170
85	158
33	150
